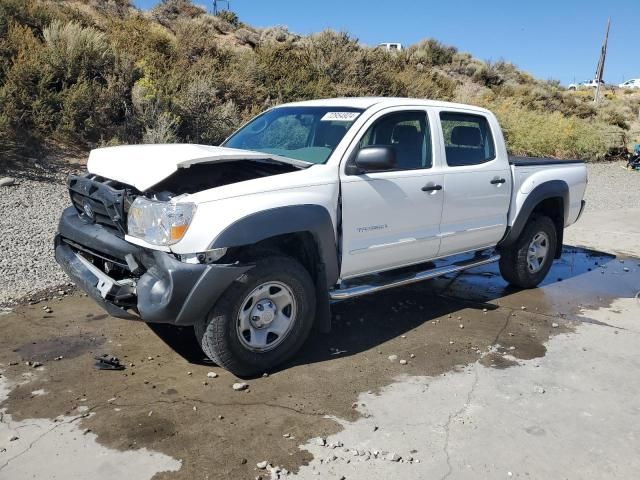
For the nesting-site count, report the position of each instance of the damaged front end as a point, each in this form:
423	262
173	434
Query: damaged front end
127	280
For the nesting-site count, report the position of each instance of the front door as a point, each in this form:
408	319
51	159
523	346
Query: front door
392	218
477	184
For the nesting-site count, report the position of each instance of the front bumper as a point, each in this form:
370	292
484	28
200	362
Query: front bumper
159	289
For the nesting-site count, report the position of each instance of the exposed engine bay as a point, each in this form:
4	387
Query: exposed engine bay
205	176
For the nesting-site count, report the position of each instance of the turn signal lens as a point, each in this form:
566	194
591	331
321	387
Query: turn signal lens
177	232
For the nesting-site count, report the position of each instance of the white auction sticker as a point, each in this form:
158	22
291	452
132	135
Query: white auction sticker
340	116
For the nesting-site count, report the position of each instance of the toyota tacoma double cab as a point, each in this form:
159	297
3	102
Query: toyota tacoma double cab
307	204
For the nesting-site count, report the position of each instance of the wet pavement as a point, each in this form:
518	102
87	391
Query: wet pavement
164	401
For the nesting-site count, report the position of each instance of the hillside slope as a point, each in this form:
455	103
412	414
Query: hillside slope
87	73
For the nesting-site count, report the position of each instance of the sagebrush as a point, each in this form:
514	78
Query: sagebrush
96	73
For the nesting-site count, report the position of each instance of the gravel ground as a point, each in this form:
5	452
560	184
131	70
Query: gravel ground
29	213
612	187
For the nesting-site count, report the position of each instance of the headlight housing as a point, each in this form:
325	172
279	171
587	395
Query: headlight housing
159	223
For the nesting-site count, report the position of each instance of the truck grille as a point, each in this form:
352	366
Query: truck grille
99	200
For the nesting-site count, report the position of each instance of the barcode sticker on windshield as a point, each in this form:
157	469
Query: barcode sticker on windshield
340	116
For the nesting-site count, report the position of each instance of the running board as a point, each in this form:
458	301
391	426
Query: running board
414	277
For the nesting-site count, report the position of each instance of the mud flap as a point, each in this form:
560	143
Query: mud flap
323	306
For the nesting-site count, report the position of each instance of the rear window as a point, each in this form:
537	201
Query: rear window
467	139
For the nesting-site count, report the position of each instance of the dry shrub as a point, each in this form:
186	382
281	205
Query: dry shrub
106	73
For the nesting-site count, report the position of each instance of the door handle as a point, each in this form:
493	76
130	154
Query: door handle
431	188
498	181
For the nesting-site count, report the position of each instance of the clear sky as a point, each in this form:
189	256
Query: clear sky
558	39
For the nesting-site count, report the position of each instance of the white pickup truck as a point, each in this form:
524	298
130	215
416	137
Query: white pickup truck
309	203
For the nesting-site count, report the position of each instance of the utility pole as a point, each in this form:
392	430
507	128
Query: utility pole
600	68
216	10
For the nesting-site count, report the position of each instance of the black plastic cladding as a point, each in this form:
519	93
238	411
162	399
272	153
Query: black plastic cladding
283	220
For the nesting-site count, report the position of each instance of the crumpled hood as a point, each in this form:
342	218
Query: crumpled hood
143	166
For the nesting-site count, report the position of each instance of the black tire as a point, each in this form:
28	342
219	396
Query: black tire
219	337
514	265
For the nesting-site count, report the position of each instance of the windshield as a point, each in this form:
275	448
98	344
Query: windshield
302	133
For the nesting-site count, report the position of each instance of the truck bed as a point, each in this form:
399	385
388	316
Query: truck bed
538	161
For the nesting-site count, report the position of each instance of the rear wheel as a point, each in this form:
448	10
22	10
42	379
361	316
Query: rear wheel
526	262
262	319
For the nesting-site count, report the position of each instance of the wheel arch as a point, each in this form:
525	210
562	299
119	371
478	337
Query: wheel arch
550	199
303	222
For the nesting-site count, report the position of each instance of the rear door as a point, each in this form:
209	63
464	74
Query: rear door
392	218
477	183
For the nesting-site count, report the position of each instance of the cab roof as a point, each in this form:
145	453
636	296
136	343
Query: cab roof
382	102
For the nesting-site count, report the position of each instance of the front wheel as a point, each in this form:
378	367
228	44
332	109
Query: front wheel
262	319
526	262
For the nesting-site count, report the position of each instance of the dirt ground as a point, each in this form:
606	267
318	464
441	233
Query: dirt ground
164	417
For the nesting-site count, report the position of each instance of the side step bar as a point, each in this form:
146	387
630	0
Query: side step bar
413	277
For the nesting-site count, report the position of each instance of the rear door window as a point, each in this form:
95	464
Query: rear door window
467	139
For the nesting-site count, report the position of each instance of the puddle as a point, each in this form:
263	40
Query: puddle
481	422
165	402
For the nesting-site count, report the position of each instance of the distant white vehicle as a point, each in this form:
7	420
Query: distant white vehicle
391	47
633	83
586	84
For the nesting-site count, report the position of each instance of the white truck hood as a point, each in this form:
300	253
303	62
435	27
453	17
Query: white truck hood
143	166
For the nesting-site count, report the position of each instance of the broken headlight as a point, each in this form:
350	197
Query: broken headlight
159	223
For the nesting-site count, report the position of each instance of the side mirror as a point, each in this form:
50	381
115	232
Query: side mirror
375	159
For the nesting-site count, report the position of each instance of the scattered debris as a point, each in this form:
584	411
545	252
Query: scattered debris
240	386
107	362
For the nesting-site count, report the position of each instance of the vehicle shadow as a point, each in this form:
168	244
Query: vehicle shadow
367	322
